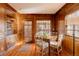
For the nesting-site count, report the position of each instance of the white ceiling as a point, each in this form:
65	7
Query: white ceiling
37	8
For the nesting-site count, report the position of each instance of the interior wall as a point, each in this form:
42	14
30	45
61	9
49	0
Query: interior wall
60	16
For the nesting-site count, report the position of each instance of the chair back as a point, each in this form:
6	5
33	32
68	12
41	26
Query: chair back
60	39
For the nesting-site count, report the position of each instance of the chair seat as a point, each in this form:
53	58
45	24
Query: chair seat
42	44
45	44
53	43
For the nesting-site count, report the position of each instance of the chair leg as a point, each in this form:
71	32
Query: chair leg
36	51
59	51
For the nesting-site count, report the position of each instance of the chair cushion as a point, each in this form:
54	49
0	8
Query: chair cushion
42	44
45	44
53	43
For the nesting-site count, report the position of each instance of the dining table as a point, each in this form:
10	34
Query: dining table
48	39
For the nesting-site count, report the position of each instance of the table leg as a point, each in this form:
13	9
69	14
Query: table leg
49	47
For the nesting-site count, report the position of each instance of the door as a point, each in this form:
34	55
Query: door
28	31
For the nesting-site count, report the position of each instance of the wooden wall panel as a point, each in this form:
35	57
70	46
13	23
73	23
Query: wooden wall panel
68	44
65	10
77	46
60	15
68	9
38	16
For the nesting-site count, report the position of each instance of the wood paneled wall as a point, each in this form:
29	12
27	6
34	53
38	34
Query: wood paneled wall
6	10
68	9
65	10
60	16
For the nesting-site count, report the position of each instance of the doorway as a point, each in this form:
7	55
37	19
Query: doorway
28	31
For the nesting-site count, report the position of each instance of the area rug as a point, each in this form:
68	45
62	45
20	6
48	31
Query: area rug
2	53
25	48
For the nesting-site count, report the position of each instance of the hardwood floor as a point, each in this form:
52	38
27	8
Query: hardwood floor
17	52
30	51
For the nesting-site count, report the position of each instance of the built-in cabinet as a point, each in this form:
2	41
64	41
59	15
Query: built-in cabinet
7	27
10	32
10	28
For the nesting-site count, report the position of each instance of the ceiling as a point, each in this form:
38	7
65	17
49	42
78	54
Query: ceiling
37	8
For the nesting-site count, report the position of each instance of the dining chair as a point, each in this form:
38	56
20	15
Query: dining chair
41	47
56	46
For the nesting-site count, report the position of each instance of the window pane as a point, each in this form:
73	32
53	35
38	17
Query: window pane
70	33
44	26
76	33
76	27
69	27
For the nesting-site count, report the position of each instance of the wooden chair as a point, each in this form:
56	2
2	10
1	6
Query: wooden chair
56	46
41	47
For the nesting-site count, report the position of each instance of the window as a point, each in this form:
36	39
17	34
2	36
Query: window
72	29
72	24
69	30
77	30
44	26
